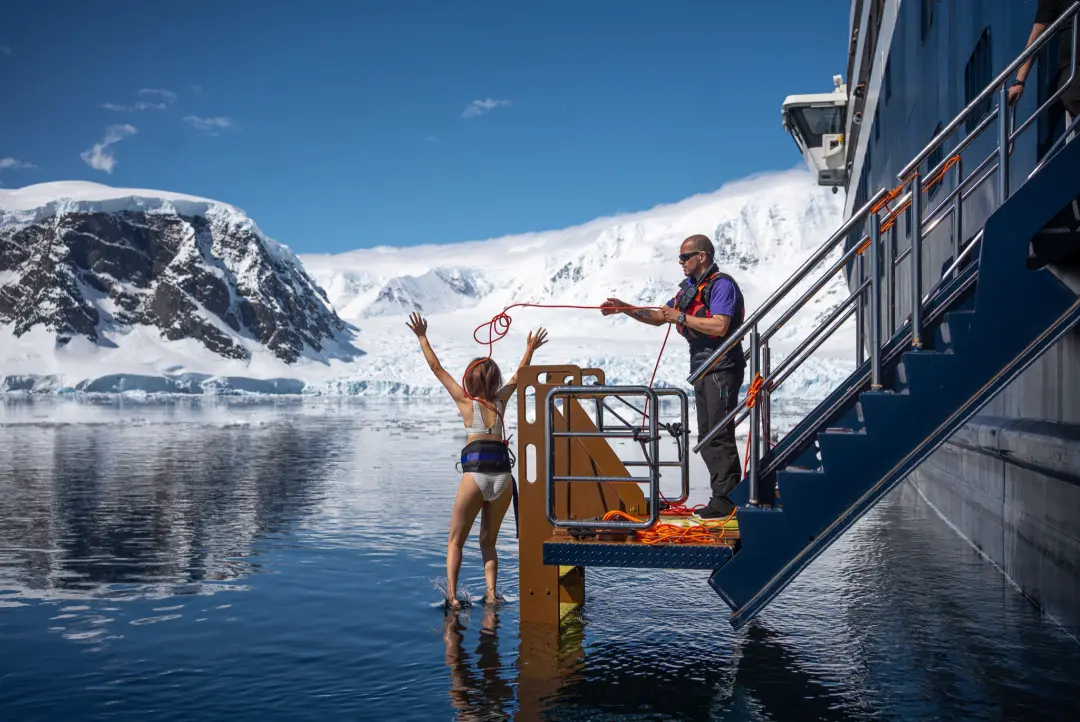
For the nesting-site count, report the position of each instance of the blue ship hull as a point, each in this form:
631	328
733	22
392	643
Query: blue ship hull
1009	480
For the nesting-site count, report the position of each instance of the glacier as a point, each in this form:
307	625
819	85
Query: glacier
763	228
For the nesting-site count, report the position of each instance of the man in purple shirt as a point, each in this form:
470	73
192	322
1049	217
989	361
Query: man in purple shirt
707	310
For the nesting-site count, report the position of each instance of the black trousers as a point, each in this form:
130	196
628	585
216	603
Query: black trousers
717	393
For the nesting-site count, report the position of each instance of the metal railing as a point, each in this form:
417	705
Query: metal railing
648	434
881	276
680	430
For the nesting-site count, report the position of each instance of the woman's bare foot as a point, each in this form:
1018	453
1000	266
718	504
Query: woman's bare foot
490	597
453	604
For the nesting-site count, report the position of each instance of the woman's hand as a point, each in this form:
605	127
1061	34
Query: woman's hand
535	342
418	325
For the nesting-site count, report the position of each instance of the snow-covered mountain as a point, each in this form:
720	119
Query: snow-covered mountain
88	268
762	227
437	291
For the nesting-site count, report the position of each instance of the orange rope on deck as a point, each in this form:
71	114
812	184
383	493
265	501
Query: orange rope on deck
660	533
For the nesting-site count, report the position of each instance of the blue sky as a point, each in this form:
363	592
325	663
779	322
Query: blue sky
352	124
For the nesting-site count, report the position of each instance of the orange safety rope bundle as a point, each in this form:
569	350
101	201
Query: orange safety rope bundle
751	401
660	533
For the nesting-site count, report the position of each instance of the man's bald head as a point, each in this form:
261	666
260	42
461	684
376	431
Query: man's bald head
698	243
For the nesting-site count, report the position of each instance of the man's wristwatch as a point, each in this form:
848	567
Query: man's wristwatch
680	319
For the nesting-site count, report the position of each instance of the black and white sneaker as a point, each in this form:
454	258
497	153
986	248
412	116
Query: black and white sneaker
710	513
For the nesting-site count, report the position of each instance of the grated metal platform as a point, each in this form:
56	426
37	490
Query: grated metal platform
594	553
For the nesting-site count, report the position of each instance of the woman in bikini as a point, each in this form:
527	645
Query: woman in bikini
486	479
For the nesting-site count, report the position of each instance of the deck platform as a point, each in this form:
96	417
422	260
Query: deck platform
564	550
593	553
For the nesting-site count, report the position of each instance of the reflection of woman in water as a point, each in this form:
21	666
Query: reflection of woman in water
482	696
486	481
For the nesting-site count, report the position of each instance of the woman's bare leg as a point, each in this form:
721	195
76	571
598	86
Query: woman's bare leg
466	506
490	520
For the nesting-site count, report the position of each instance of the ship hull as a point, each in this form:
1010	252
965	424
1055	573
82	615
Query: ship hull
1009	481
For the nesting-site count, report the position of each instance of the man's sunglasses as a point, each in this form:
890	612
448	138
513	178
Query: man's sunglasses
684	257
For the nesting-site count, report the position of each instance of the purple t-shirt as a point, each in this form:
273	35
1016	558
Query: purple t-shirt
721	300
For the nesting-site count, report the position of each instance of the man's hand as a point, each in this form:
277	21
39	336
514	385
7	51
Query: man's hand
669	314
613	305
1015	91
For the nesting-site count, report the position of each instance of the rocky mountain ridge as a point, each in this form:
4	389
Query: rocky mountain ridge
193	269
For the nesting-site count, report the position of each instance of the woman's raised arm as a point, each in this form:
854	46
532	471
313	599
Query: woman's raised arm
532	343
419	326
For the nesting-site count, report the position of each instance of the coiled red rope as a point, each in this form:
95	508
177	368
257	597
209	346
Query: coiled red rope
499	326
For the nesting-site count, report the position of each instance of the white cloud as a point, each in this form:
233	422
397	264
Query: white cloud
141	105
479	107
432	139
157	100
99	157
167	95
6	50
215	123
195	89
14	164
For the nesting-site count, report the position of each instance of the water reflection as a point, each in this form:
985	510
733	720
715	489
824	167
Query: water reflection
758	678
477	692
331	526
89	512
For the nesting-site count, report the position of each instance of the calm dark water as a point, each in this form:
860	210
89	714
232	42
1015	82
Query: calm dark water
280	561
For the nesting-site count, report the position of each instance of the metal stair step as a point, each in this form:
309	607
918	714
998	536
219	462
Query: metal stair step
924	370
886	410
954	332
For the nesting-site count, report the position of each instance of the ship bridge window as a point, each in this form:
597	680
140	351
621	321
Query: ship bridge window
814	122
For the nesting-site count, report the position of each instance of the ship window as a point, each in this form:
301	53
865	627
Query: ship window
877	123
976	78
888	80
927	17
812	123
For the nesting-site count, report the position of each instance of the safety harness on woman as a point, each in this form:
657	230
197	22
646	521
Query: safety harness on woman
486	456
490	456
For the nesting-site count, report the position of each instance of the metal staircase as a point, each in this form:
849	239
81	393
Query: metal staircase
990	315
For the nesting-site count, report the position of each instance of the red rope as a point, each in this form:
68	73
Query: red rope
499	326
